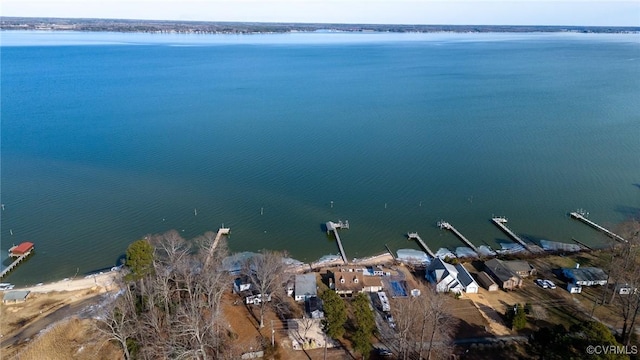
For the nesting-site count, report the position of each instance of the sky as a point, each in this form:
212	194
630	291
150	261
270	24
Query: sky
437	12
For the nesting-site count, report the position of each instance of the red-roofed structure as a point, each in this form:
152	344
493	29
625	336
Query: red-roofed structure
21	249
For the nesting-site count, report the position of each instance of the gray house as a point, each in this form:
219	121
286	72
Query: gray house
502	274
520	268
586	276
305	287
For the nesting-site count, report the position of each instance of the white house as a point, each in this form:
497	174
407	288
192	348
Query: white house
465	279
448	277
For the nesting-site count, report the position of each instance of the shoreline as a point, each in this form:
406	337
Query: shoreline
104	280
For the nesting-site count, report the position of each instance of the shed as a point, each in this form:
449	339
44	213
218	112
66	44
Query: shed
573	288
520	268
485	280
14	297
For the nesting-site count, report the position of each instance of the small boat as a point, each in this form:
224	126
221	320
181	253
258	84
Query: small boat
6	286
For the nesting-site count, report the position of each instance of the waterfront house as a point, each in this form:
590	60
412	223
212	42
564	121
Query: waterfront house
586	276
447	277
469	285
521	268
487	282
502	275
305	287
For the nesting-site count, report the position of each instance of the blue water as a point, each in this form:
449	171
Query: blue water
109	137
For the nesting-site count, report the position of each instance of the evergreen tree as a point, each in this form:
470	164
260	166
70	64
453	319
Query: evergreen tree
139	259
365	324
335	314
519	320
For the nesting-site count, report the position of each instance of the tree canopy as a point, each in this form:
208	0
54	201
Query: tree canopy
365	324
139	259
335	312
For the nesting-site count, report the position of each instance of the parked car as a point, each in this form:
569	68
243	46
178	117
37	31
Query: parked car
542	283
384	352
550	284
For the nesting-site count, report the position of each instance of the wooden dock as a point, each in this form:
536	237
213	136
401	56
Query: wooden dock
15	263
445	225
416	237
223	231
333	227
581	217
500	222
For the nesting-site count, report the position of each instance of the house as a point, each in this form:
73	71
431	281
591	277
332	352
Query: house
256	298
449	277
626	289
305	287
586	276
444	276
469	285
14	297
347	282
487	282
521	268
502	275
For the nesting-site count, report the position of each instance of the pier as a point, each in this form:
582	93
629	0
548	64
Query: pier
416	237
223	231
500	222
333	227
445	225
581	216
15	263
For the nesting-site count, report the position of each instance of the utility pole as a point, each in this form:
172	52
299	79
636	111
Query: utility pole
325	346
273	332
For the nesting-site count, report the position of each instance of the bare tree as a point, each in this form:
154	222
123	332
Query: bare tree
266	273
625	273
119	321
423	325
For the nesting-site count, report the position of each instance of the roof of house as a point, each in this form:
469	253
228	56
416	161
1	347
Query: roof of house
440	270
353	281
464	277
586	274
22	248
371	281
485	279
501	271
518	265
306	284
18	295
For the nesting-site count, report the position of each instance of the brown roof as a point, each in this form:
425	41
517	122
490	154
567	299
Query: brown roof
353	281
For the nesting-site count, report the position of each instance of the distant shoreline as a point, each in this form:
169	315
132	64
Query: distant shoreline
203	27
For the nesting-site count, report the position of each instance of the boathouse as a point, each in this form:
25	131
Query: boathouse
24	248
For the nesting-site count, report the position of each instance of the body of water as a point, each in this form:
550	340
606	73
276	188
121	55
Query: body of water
109	137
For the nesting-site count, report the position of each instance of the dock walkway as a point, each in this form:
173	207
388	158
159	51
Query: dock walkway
581	217
15	263
333	227
416	237
445	225
500	222
221	232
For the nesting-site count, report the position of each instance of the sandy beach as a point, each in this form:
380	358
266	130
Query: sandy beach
105	280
